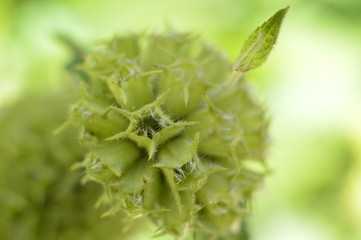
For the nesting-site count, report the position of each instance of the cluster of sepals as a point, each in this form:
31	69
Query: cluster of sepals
170	132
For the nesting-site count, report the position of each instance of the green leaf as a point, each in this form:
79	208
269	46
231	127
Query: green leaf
259	44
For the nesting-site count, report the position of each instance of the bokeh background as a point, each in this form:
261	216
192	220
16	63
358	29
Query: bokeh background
311	85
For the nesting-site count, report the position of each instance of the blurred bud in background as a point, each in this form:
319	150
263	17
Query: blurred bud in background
40	197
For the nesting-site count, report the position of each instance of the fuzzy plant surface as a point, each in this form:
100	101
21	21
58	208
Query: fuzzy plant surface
172	130
40	198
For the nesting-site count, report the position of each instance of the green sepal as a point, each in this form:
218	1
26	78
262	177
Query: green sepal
177	153
196	176
117	156
135	177
169	177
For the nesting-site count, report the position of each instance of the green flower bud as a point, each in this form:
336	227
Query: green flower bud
171	132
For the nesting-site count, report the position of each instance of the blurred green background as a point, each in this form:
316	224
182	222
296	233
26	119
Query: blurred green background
311	85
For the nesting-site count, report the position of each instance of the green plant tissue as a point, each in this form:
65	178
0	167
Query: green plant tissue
173	131
40	198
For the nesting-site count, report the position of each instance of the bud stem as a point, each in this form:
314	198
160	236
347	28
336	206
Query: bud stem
236	75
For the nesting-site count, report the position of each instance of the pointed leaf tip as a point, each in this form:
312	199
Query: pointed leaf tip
259	44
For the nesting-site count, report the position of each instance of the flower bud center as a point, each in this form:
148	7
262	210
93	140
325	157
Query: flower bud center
149	125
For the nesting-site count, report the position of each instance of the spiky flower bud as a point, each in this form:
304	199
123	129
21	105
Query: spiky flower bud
171	131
